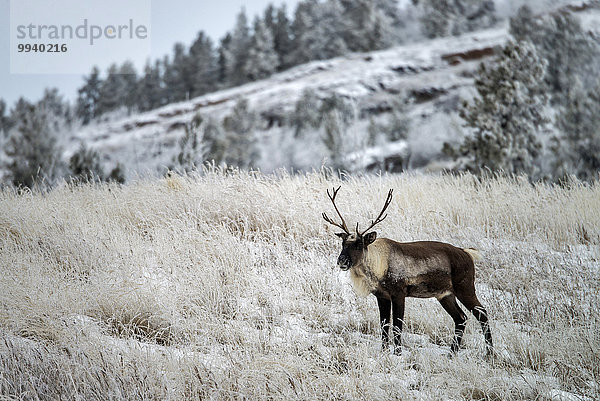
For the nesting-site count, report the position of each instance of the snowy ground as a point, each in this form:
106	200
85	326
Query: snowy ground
223	287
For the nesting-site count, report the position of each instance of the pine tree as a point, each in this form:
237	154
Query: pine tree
303	22
176	78
578	149
110	91
57	110
282	41
222	58
372	24
149	88
236	55
507	115
88	97
325	39
4	120
444	17
85	165
333	138
129	86
262	59
117	174
215	142
472	15
397	125
269	18
190	146
337	114
436	17
306	113
571	53
34	156
241	151
336	103
524	25
202	66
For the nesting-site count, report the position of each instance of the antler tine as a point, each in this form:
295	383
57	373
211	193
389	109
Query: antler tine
379	219
343	225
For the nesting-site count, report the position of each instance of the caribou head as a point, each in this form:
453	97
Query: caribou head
354	245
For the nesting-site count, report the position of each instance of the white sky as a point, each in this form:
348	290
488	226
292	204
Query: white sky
172	21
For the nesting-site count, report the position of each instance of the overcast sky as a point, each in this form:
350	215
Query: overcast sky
172	21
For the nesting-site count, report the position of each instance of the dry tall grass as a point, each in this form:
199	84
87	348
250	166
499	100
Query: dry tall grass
221	286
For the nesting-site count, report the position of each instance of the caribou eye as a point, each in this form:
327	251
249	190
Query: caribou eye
342	235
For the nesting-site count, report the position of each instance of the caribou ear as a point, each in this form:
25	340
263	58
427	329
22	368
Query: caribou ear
342	235
370	237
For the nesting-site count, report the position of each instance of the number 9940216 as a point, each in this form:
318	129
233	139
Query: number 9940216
42	48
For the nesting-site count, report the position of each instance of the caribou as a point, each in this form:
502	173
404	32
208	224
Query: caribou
393	270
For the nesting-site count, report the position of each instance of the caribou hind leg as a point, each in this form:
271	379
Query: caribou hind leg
459	317
471	302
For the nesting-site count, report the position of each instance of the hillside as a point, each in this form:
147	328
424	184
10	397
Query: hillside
222	286
434	75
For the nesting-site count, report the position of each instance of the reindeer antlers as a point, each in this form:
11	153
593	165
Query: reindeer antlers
379	219
343	225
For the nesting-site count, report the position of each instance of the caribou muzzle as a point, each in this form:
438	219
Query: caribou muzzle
344	262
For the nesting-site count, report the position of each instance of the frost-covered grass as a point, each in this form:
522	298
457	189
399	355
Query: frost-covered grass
221	286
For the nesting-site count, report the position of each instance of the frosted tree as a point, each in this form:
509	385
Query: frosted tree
435	20
524	25
507	115
578	147
571	52
337	103
190	146
444	17
236	54
333	138
202	66
262	59
32	150
282	39
129	89
150	88
117	174
242	148
88	97
396	125
319	31
303	21
85	165
269	17
5	125
215	142
373	24
4	120
306	113
223	51
110	91
337	114
57	110
472	15
176	77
